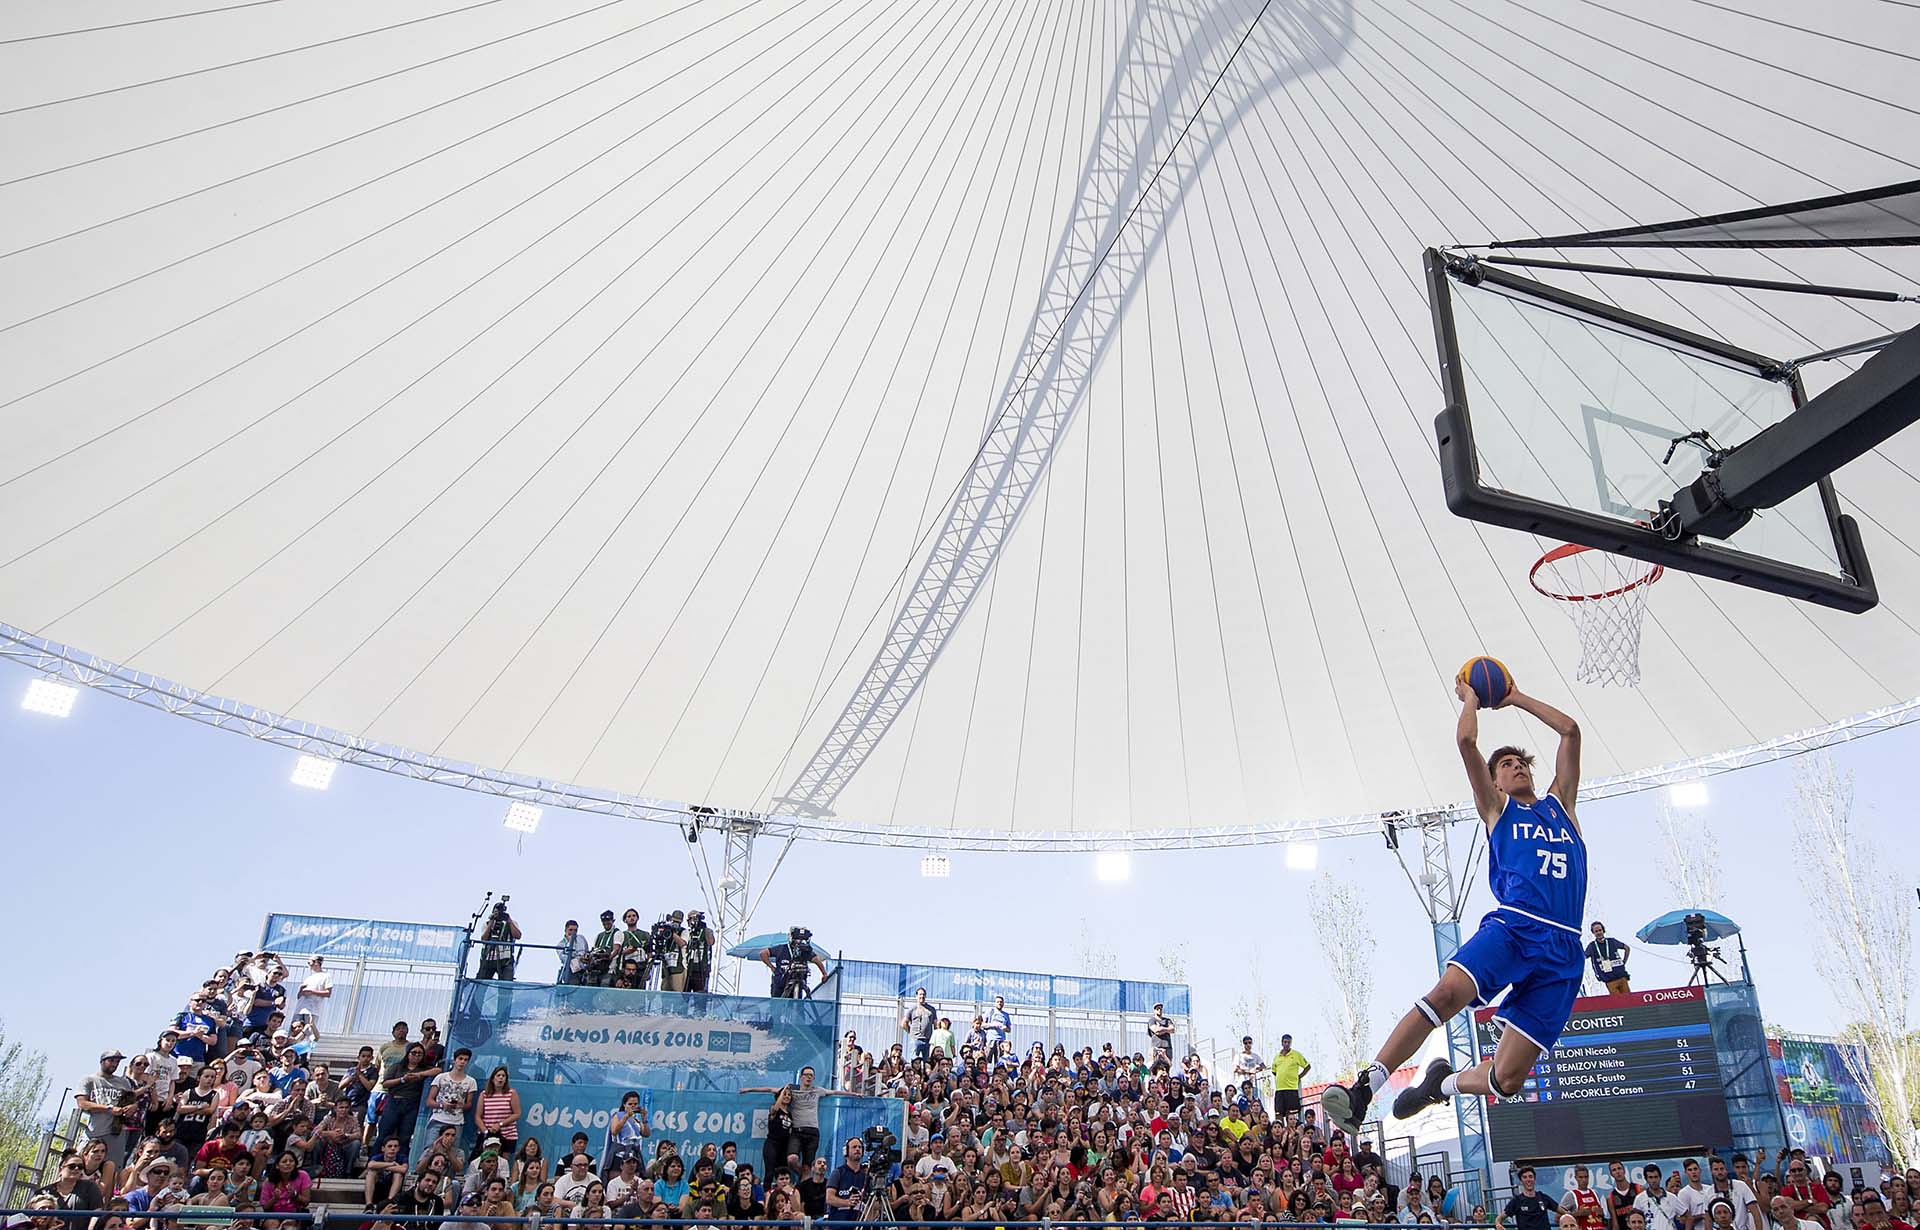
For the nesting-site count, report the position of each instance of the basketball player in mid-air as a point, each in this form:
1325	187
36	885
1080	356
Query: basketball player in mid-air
1530	941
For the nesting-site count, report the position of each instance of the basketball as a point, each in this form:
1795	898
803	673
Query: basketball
1489	679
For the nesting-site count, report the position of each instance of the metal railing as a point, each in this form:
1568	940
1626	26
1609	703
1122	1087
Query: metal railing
373	993
322	1218
64	1133
539	965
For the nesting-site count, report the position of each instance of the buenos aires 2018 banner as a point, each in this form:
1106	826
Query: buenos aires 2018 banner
640	1039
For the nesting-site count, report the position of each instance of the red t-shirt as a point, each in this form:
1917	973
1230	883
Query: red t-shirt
217	1151
1586	1208
1815	1194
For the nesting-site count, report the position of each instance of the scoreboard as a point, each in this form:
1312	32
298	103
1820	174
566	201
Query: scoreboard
1632	1074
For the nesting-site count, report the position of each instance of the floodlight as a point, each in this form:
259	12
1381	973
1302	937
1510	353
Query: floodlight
314	772
935	867
48	697
1687	794
1302	855
1113	866
523	817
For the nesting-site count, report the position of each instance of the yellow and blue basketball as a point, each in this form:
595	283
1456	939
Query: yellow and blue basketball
1489	679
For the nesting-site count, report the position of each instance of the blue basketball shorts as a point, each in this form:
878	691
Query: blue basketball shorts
1537	965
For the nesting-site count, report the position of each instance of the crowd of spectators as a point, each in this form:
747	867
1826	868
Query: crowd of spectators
231	1109
1733	1193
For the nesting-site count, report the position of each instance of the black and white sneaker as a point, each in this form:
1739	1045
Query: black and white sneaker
1345	1106
1416	1098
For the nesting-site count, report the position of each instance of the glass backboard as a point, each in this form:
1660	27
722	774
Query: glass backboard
1563	419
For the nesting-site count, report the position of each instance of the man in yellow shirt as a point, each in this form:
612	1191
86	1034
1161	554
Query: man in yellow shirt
1233	1124
1288	1067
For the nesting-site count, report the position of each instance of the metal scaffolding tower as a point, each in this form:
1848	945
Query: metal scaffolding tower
737	831
1444	897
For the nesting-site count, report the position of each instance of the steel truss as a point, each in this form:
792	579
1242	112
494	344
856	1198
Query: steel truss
737	831
1443	895
79	667
1161	122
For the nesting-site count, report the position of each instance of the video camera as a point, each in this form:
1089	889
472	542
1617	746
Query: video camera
1702	956
663	932
883	1150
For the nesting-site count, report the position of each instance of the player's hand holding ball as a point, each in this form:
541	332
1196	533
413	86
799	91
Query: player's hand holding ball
1484	682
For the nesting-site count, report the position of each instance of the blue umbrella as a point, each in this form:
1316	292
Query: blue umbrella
750	947
1671	927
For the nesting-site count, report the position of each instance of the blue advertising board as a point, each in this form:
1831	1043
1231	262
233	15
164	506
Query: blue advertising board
353	938
640	1039
689	1118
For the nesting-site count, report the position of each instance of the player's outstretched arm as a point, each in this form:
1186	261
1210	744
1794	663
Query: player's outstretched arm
1566	761
1486	795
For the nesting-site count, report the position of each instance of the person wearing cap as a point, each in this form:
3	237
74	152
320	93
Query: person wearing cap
936	1161
315	990
1248	1062
154	1193
1160	1030
603	953
196	1027
106	1098
670	953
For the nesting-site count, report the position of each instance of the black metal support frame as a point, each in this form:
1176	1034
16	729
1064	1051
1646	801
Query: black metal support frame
1848	420
1852	591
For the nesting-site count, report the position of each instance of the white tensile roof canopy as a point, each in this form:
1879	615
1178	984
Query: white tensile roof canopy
576	390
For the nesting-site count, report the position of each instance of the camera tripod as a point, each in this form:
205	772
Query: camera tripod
876	1208
1703	959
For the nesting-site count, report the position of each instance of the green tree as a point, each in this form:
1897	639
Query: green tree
23	1088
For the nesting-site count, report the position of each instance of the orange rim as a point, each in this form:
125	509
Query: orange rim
1567	550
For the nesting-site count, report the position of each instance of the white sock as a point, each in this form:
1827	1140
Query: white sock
1451	1084
1377	1075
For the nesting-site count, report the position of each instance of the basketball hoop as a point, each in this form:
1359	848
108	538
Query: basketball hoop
1606	595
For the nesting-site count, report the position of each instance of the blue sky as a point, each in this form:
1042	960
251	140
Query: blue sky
145	849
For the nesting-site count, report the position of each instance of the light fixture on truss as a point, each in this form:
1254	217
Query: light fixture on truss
313	772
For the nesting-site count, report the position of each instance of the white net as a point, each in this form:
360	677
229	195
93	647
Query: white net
1606	596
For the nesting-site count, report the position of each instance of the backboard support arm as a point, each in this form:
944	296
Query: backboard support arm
1839	425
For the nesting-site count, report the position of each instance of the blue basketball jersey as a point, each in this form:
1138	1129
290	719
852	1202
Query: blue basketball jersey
1537	863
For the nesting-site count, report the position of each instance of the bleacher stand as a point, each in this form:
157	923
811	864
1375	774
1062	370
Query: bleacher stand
238	1105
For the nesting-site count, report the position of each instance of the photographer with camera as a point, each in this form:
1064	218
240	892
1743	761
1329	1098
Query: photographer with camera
497	953
789	964
670	951
572	953
632	944
847	1187
1608	957
700	946
599	966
